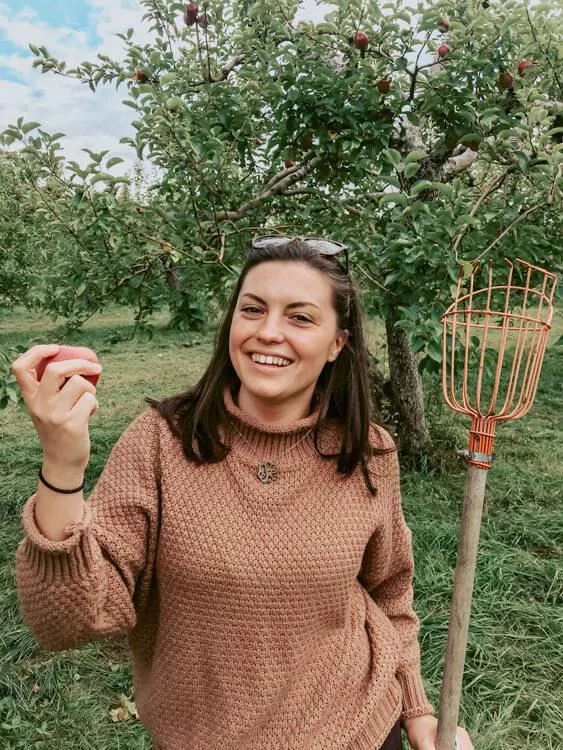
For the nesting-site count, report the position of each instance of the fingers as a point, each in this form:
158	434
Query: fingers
24	366
56	373
69	396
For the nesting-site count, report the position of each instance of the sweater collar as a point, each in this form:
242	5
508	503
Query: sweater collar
267	438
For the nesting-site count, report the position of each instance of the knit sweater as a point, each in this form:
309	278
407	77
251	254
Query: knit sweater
259	616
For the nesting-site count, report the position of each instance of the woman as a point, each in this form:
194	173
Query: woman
247	534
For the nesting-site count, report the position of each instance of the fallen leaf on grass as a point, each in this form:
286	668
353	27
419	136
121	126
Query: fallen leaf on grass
125	710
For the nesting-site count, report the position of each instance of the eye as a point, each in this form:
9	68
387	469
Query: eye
302	318
251	309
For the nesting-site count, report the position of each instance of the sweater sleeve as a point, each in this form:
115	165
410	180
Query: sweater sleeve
83	587
387	572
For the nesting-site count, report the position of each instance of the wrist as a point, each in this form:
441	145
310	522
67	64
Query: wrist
63	477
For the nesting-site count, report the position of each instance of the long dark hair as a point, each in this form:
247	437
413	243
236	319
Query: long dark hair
342	391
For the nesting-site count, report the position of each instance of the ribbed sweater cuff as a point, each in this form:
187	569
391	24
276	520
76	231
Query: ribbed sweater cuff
47	558
415	702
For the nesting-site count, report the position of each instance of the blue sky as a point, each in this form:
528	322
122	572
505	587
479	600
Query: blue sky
74	31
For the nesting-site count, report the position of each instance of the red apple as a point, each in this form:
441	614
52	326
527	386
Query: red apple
203	21
140	76
443	50
288	163
523	64
190	14
70	352
505	80
361	40
384	86
443	24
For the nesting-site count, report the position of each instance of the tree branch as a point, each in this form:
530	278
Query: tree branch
276	185
520	218
482	198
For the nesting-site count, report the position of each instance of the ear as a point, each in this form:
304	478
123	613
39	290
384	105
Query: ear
339	343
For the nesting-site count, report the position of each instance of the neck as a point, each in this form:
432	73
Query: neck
273	412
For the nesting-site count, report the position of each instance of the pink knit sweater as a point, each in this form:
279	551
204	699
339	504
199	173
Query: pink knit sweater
259	616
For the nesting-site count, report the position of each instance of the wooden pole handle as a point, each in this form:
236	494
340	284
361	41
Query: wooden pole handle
450	695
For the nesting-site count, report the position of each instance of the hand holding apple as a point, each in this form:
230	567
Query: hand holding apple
58	388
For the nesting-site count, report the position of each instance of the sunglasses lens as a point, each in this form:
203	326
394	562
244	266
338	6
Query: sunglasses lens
260	242
324	247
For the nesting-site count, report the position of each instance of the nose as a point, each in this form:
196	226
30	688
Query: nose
270	330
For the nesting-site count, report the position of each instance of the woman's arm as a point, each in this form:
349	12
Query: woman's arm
387	574
82	587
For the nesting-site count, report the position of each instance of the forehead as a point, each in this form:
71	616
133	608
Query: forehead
288	281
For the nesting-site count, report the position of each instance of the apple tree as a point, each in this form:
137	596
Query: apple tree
425	136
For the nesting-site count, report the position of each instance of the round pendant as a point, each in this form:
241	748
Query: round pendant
267	472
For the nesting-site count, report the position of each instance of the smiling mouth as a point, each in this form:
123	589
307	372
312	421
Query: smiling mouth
262	359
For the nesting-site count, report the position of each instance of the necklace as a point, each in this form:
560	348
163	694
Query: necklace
268	471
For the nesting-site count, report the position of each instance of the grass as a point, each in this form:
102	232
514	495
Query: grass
512	697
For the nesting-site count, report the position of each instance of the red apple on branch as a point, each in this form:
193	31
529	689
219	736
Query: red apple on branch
361	40
140	76
443	50
70	352
383	86
523	64
288	163
505	80
190	14
443	24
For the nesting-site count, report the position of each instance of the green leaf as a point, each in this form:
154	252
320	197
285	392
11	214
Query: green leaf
400	198
29	126
113	161
411	169
392	155
415	156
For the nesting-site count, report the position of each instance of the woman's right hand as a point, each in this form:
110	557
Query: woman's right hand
59	410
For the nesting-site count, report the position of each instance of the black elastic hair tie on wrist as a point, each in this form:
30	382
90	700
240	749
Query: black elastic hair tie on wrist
57	489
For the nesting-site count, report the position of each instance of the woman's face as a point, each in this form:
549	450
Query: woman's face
284	330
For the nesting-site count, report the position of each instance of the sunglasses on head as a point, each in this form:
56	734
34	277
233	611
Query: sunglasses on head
319	244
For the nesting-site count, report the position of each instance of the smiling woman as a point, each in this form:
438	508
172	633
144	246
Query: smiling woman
248	534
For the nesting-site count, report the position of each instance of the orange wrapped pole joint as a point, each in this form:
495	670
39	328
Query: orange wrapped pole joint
494	340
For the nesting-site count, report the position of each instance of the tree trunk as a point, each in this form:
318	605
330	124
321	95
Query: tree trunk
406	387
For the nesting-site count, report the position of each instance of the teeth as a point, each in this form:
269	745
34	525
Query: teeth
268	360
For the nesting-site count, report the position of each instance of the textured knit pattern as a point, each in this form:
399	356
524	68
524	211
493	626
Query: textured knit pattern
259	616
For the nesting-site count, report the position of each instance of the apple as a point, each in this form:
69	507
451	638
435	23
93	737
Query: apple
140	76
203	21
288	163
523	64
361	40
443	24
70	352
443	50
505	80
190	14
384	86
473	145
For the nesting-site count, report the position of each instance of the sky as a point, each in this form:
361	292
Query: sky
74	31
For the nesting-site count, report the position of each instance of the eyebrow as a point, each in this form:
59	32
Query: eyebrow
291	306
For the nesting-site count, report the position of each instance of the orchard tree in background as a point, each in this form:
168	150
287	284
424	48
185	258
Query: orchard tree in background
425	136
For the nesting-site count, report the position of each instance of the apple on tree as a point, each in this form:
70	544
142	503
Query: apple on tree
383	86
523	65
190	14
361	40
288	163
443	24
140	76
70	352
505	80
443	50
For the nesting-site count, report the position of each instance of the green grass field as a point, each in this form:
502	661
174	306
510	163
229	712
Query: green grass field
513	690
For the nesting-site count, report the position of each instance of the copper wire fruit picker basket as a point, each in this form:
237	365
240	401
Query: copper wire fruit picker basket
494	340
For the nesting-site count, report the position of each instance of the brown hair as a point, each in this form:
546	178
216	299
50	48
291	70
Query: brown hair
342	391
